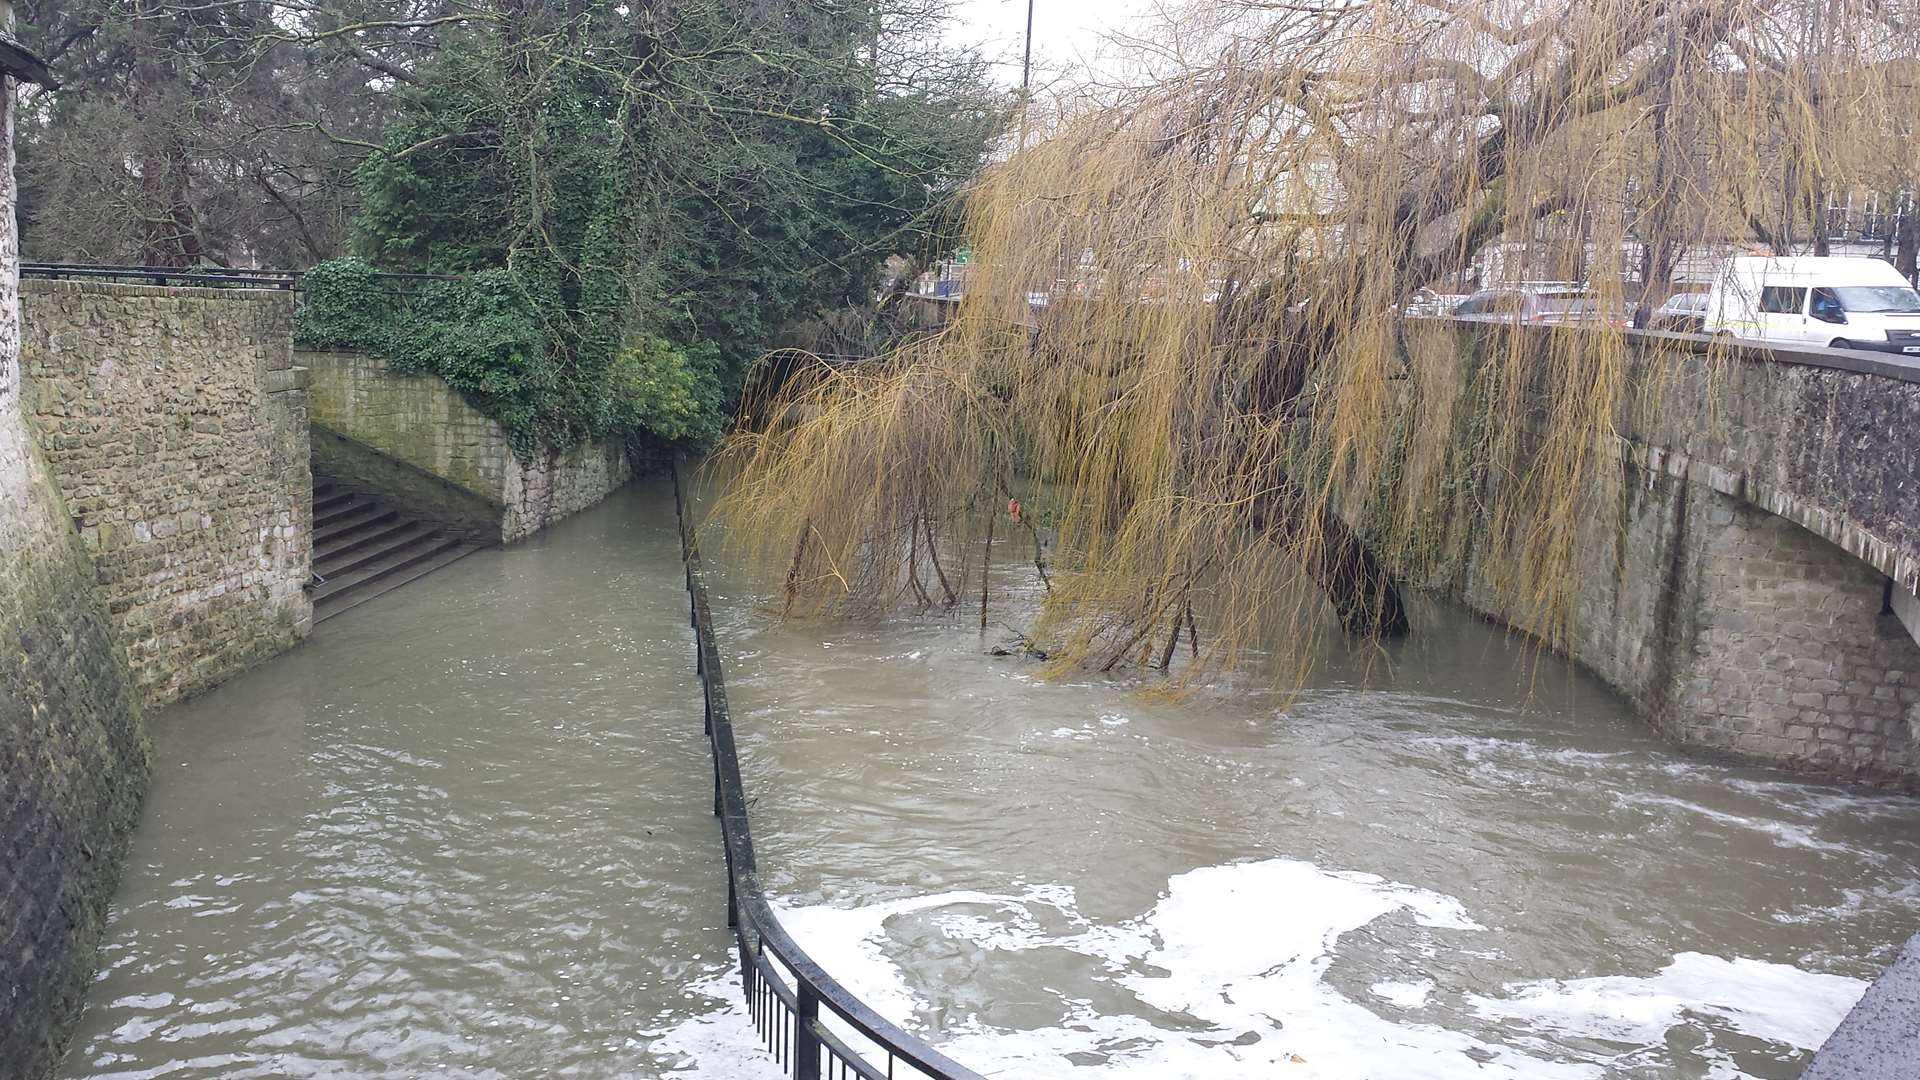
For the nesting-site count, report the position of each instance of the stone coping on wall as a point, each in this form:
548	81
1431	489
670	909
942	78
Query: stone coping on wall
34	286
1827	522
1853	361
1880	1037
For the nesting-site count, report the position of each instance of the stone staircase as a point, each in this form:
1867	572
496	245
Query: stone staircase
363	548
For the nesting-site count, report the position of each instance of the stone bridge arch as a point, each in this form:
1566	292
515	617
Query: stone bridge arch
1749	582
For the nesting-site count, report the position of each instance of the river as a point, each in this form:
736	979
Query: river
465	828
1456	859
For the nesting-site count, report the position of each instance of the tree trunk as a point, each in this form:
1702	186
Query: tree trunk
1817	210
1907	246
169	236
1355	582
1658	250
1362	592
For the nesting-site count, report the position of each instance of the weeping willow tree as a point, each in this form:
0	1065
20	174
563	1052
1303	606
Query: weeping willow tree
1183	337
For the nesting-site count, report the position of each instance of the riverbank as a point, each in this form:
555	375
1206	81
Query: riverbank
464	827
1462	858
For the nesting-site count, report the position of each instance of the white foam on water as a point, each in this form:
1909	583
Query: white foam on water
1240	954
1853	902
1774	1002
1245	948
1783	834
717	1044
1241	948
1491	749
850	944
1403	995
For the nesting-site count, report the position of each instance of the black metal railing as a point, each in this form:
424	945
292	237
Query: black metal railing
202	277
795	1005
191	276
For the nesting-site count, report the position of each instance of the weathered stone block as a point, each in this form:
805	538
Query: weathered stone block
421	424
1728	578
194	434
283	380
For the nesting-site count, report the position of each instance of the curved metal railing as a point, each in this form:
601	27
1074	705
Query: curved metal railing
190	276
789	996
202	276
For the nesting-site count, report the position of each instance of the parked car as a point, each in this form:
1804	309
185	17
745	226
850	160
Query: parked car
1427	303
1683	313
1590	311
1539	305
1843	302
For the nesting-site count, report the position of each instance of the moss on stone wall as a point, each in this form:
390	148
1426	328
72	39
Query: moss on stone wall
419	421
174	424
74	761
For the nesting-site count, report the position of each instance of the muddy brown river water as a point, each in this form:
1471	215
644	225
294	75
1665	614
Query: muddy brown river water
465	829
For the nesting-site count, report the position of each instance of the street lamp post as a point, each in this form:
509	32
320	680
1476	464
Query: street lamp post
1026	77
1026	63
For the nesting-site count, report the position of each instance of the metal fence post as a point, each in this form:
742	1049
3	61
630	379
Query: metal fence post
812	1050
733	902
806	1045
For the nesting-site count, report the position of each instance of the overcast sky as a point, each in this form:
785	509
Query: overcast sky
1066	33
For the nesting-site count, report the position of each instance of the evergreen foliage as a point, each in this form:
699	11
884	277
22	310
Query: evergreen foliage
637	201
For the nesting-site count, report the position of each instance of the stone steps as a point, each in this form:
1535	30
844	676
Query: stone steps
327	503
368	546
353	511
363	548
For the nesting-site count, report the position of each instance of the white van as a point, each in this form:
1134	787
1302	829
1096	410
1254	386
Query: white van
1843	303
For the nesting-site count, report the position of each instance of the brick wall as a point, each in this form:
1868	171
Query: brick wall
421	422
174	423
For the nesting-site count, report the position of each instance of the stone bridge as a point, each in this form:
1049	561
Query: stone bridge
1746	572
1748	568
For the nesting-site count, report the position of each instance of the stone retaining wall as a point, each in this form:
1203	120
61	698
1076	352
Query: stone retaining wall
174	423
559	485
430	498
1710	584
419	421
74	757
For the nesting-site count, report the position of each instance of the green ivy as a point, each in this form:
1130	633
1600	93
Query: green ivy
657	390
637	202
483	337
